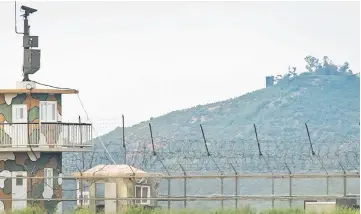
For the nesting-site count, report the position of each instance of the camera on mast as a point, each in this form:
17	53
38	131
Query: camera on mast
31	60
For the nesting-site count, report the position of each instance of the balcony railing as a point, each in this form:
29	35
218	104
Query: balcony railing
50	135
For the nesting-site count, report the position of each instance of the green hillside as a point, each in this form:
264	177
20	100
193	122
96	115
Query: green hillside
330	104
326	97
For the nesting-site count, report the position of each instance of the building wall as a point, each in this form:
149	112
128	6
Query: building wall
38	134
32	102
124	188
153	183
33	164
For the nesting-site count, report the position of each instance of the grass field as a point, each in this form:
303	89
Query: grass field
246	210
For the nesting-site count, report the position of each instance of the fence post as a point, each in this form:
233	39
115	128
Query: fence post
169	193
258	144
273	181
222	202
236	184
31	185
327	177
123	140
344	180
273	191
309	140
169	180
80	133
151	137
81	189
344	184
215	163
328	184
155	154
185	186
83	166
32	174
31	189
290	185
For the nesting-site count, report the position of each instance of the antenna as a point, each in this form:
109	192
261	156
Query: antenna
31	63
16	27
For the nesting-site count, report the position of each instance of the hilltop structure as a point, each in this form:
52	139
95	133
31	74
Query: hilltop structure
32	140
270	81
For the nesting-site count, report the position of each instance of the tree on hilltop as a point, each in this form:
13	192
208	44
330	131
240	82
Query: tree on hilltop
327	67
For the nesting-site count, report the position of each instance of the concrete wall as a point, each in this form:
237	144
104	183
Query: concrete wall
33	164
320	207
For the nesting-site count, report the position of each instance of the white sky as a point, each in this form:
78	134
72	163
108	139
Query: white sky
145	59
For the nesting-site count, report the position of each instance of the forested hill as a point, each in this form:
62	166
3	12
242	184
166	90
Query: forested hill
326	97
329	102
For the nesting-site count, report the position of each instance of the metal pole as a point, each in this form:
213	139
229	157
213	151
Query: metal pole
344	184
81	191
327	187
258	144
222	202
31	183
185	192
290	202
309	139
168	193
151	137
123	135
185	186
344	180
31	189
273	191
83	166
26	33
236	184
290	185
169	181
236	179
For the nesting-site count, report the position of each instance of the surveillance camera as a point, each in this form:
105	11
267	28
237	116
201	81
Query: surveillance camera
28	9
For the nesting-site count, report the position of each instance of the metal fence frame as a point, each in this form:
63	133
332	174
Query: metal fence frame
236	197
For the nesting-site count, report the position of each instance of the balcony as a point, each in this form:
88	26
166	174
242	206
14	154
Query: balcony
45	137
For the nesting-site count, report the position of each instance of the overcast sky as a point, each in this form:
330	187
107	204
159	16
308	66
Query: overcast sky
145	59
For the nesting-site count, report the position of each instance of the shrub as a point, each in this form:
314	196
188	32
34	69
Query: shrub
30	210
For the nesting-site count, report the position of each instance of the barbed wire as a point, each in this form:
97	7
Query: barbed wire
268	153
277	156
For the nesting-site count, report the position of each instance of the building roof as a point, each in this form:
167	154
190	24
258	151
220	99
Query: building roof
112	171
38	91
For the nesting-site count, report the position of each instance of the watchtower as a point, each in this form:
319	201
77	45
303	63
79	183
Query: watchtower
33	137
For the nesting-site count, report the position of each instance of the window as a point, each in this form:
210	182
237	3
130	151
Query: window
142	192
19	180
48	111
48	174
19	113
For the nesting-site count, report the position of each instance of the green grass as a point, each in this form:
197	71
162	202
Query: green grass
244	210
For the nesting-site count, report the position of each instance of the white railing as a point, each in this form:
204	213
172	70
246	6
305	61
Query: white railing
45	135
